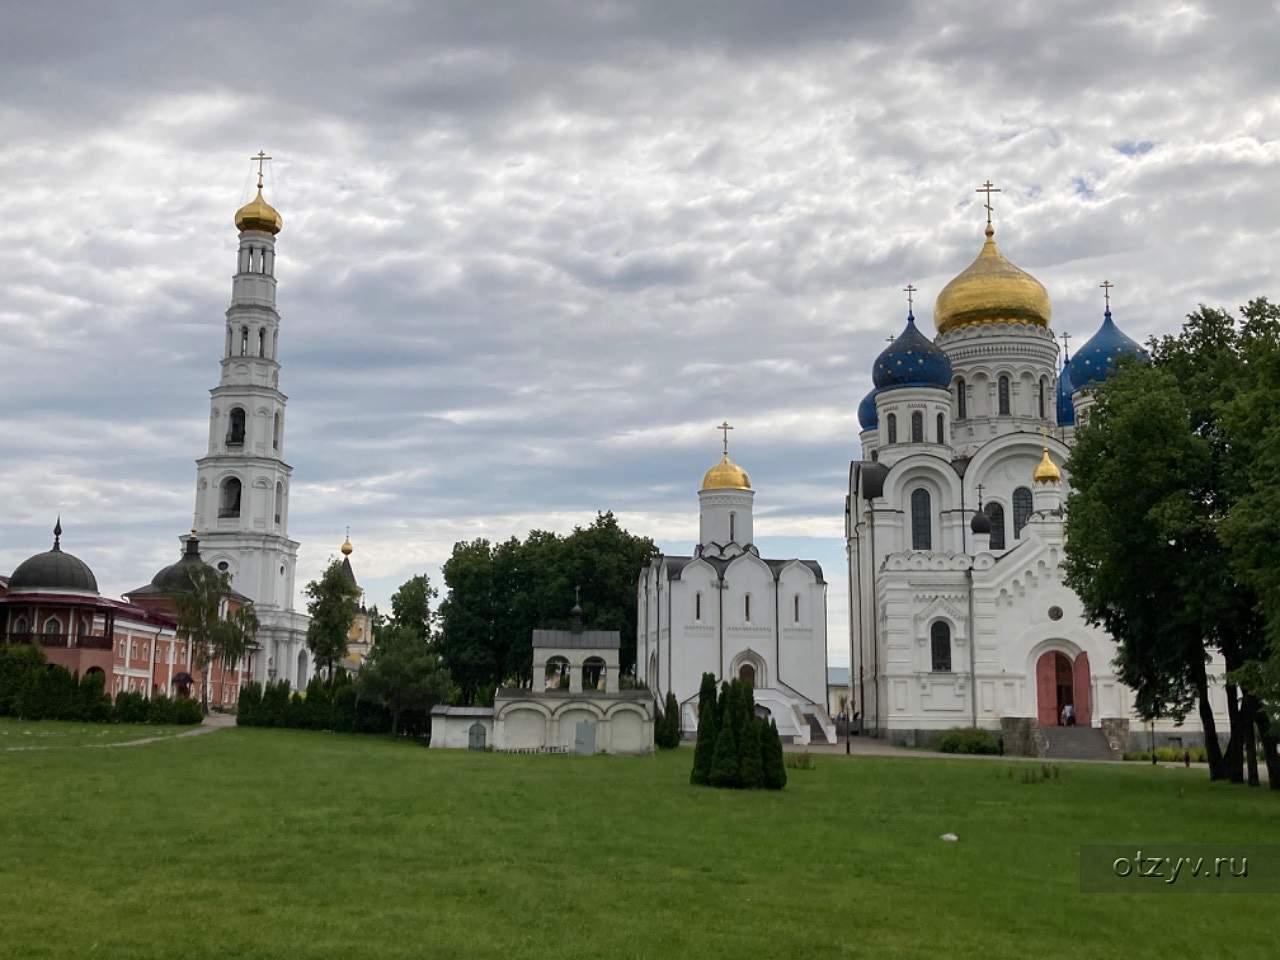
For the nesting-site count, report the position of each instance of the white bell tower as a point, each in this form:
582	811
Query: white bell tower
243	482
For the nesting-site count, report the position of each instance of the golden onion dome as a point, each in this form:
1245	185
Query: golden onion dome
257	214
991	290
726	475
346	547
1046	470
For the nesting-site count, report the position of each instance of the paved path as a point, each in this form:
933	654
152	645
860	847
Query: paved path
211	724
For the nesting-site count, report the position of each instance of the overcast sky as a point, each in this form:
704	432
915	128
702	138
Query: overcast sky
534	252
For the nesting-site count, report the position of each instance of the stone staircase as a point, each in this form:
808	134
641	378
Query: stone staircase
1076	743
816	733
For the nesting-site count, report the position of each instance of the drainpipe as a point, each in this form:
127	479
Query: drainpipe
151	669
973	657
720	620
854	555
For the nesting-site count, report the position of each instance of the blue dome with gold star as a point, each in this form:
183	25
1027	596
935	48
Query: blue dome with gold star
1097	359
1066	411
868	417
911	361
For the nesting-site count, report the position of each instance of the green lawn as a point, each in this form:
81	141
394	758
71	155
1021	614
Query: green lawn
259	843
45	734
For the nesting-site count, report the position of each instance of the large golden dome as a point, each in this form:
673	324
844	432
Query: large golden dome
991	290
726	475
257	214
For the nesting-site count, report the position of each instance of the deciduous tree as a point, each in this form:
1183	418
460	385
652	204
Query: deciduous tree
332	608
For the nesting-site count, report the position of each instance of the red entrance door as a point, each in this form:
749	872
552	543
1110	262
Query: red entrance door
1047	689
1060	681
1080	673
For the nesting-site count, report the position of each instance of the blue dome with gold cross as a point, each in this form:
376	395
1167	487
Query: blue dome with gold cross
912	360
1097	359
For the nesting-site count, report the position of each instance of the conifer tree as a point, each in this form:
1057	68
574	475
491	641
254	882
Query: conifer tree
750	768
724	764
775	771
704	751
669	725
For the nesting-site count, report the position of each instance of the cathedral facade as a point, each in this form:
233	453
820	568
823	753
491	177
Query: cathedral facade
243	482
955	526
727	611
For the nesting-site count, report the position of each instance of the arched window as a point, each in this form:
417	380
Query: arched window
921	521
593	672
235	428
795	617
275	344
279	501
995	512
20	625
244	341
961	402
747	674
733	527
275	433
262	341
893	428
1003	398
229	504
229	336
746	608
942	429
1021	510
940	647
697	605
1042	391
917	427
52	627
557	674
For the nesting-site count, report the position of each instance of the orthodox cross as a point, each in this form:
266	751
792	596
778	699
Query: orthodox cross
260	158
1065	338
725	428
980	488
988	189
909	290
1106	286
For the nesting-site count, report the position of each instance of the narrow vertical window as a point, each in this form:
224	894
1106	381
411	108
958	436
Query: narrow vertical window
1021	510
262	341
746	607
275	432
1042	398
917	427
733	528
697	606
940	647
921	520
942	430
1004	396
893	428
961	402
279	502
995	512
795	614
244	341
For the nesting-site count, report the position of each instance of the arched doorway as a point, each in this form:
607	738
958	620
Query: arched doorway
747	674
302	670
1060	682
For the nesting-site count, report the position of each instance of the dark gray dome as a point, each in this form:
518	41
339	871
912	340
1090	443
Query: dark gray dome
54	570
176	578
980	523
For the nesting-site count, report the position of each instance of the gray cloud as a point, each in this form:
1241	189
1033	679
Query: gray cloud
533	251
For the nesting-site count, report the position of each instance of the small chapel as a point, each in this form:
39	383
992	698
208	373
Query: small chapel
956	521
725	610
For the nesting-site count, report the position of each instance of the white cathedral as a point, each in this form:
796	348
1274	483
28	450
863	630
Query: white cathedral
242	483
955	526
726	610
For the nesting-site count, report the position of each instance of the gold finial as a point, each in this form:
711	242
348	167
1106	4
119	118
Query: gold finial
988	188
1046	471
1106	286
346	544
262	155
725	428
909	290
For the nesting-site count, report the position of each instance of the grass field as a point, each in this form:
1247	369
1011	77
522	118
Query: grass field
49	734
260	843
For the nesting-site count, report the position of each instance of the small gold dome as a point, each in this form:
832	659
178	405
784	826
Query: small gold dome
1047	471
726	475
991	290
257	214
346	547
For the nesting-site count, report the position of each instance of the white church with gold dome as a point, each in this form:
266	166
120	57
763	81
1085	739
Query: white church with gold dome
955	524
726	610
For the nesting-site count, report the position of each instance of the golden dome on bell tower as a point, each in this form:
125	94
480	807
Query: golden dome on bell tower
257	214
726	475
991	289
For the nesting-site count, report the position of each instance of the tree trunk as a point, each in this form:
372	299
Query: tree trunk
1270	753
1213	749
1249	707
1235	746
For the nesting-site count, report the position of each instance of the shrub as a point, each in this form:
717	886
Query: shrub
705	748
130	707
775	767
160	710
93	705
185	710
250	707
666	732
799	760
750	758
968	740
20	667
724	763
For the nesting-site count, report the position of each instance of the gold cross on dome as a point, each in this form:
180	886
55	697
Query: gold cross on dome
1106	286
725	428
262	156
988	188
909	290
